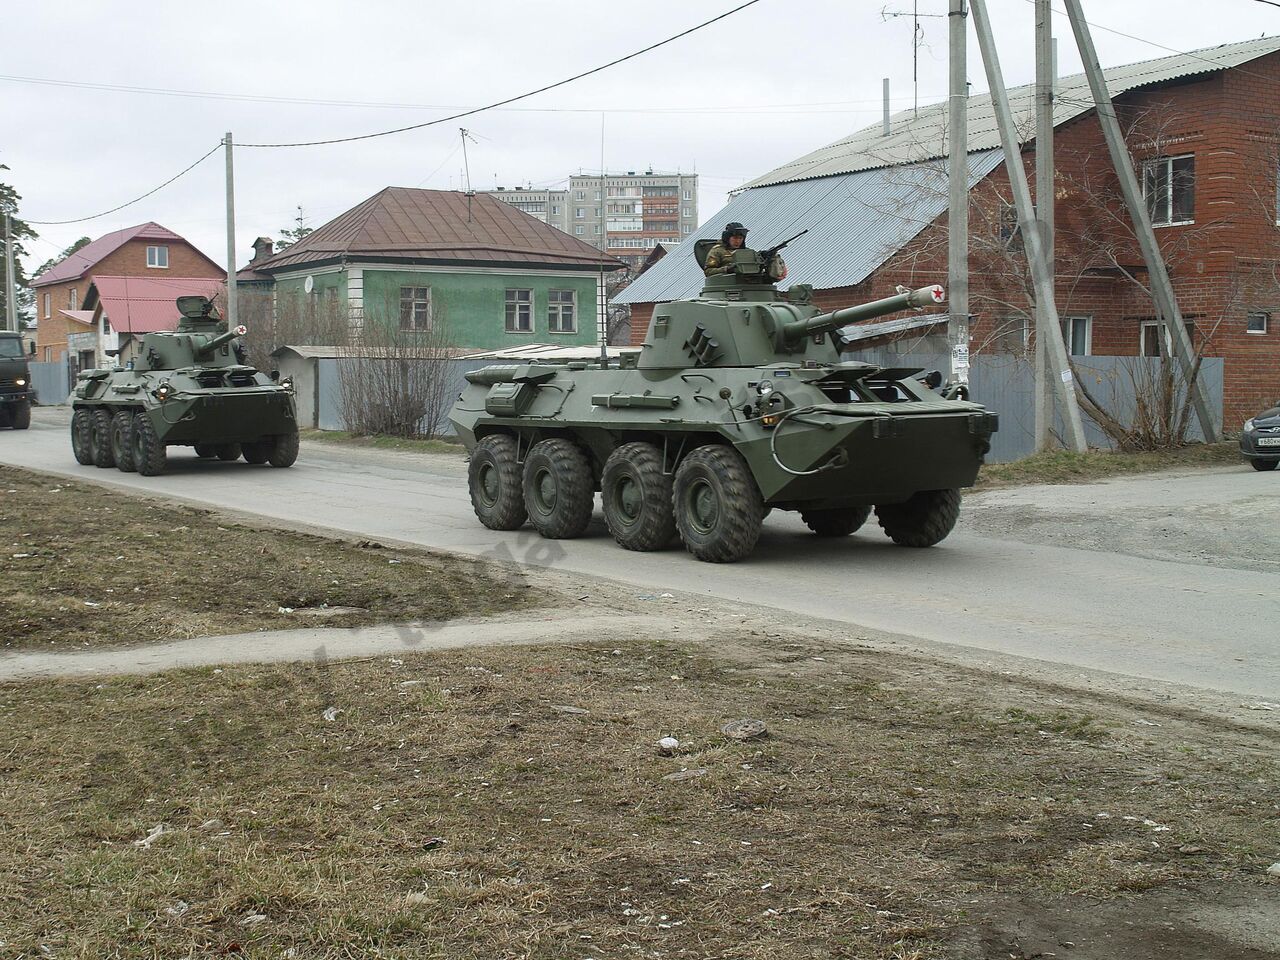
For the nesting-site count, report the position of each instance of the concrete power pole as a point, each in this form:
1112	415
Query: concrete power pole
1045	77
233	317
1161	288
958	183
1042	280
10	306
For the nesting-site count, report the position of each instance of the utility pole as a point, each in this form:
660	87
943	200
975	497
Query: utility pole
958	183
1059	367
233	316
602	297
10	307
1161	287
1045	78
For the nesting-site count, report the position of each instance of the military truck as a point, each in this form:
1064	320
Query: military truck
737	403
15	381
189	387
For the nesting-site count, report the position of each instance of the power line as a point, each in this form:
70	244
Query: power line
522	96
185	170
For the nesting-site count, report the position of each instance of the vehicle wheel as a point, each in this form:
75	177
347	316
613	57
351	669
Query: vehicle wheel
493	479
82	436
637	497
559	491
6	419
1264	464
148	450
100	441
835	523
122	440
257	452
718	508
283	450
20	416
207	451
228	452
923	520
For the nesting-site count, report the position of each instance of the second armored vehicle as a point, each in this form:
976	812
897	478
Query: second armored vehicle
188	387
738	402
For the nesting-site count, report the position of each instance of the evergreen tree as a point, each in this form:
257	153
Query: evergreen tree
49	264
290	236
24	297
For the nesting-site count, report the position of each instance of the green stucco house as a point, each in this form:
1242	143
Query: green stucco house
487	274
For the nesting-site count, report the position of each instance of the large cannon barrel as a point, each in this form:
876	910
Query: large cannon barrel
823	322
220	339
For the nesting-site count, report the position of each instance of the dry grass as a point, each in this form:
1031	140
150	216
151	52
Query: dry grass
1060	466
449	445
82	566
452	810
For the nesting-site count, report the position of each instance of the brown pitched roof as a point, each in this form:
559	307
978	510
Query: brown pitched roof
404	223
91	254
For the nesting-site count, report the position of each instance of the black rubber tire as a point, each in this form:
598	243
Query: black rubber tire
148	450
636	493
923	520
207	451
499	505
559	489
20	415
259	451
122	440
81	436
228	452
283	449
839	522
5	417
718	507
100	438
1263	465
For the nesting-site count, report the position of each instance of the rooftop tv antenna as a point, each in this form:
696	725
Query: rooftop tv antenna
917	40
467	168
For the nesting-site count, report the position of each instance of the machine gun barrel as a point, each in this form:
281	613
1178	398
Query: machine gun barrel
824	322
219	340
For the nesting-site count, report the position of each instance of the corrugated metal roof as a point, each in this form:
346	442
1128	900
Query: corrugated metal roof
912	139
856	221
76	265
404	223
147	304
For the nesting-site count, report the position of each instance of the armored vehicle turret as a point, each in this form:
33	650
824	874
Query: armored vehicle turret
186	387
738	402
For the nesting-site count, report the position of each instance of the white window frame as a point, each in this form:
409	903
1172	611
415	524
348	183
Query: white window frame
156	254
579	230
419	304
512	309
73	302
48	305
556	310
1248	321
1068	325
1151	164
579	213
688	194
579	195
1142	337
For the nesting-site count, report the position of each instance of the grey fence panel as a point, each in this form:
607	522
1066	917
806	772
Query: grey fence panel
329	390
52	381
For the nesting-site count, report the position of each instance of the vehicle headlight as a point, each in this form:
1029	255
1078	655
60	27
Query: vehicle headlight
20	382
1248	426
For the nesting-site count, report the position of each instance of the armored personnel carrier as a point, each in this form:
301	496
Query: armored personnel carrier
185	388
738	402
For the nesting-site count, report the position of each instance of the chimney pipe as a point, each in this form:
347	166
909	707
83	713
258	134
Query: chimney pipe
884	130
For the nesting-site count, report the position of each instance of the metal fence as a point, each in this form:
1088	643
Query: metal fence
1005	384
53	381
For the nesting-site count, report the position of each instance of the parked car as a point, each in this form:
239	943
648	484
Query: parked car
1260	439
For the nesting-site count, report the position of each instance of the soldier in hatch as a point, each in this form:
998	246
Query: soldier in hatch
734	238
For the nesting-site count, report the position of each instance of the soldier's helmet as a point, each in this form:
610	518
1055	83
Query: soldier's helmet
733	228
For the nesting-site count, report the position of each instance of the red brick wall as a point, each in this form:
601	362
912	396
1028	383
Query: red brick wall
1223	266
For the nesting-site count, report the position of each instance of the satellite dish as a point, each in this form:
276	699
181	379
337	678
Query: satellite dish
308	284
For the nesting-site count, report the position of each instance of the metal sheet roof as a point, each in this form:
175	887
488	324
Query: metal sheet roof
91	254
148	304
915	138
856	221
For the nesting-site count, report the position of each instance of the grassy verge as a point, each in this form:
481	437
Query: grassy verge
424	445
453	807
1061	466
82	566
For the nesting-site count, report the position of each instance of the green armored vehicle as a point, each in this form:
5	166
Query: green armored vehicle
186	388
737	403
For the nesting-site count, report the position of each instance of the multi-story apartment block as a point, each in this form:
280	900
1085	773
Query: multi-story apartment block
625	215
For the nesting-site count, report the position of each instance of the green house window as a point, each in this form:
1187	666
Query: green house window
415	308
519	311
562	316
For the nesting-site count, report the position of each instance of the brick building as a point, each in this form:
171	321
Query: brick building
1204	131
147	250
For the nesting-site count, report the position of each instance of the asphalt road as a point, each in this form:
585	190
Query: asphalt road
1187	621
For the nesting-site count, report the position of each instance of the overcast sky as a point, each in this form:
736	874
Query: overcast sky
729	102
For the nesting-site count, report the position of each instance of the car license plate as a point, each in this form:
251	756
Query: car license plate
1269	441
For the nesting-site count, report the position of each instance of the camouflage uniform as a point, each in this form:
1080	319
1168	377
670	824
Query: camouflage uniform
719	259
